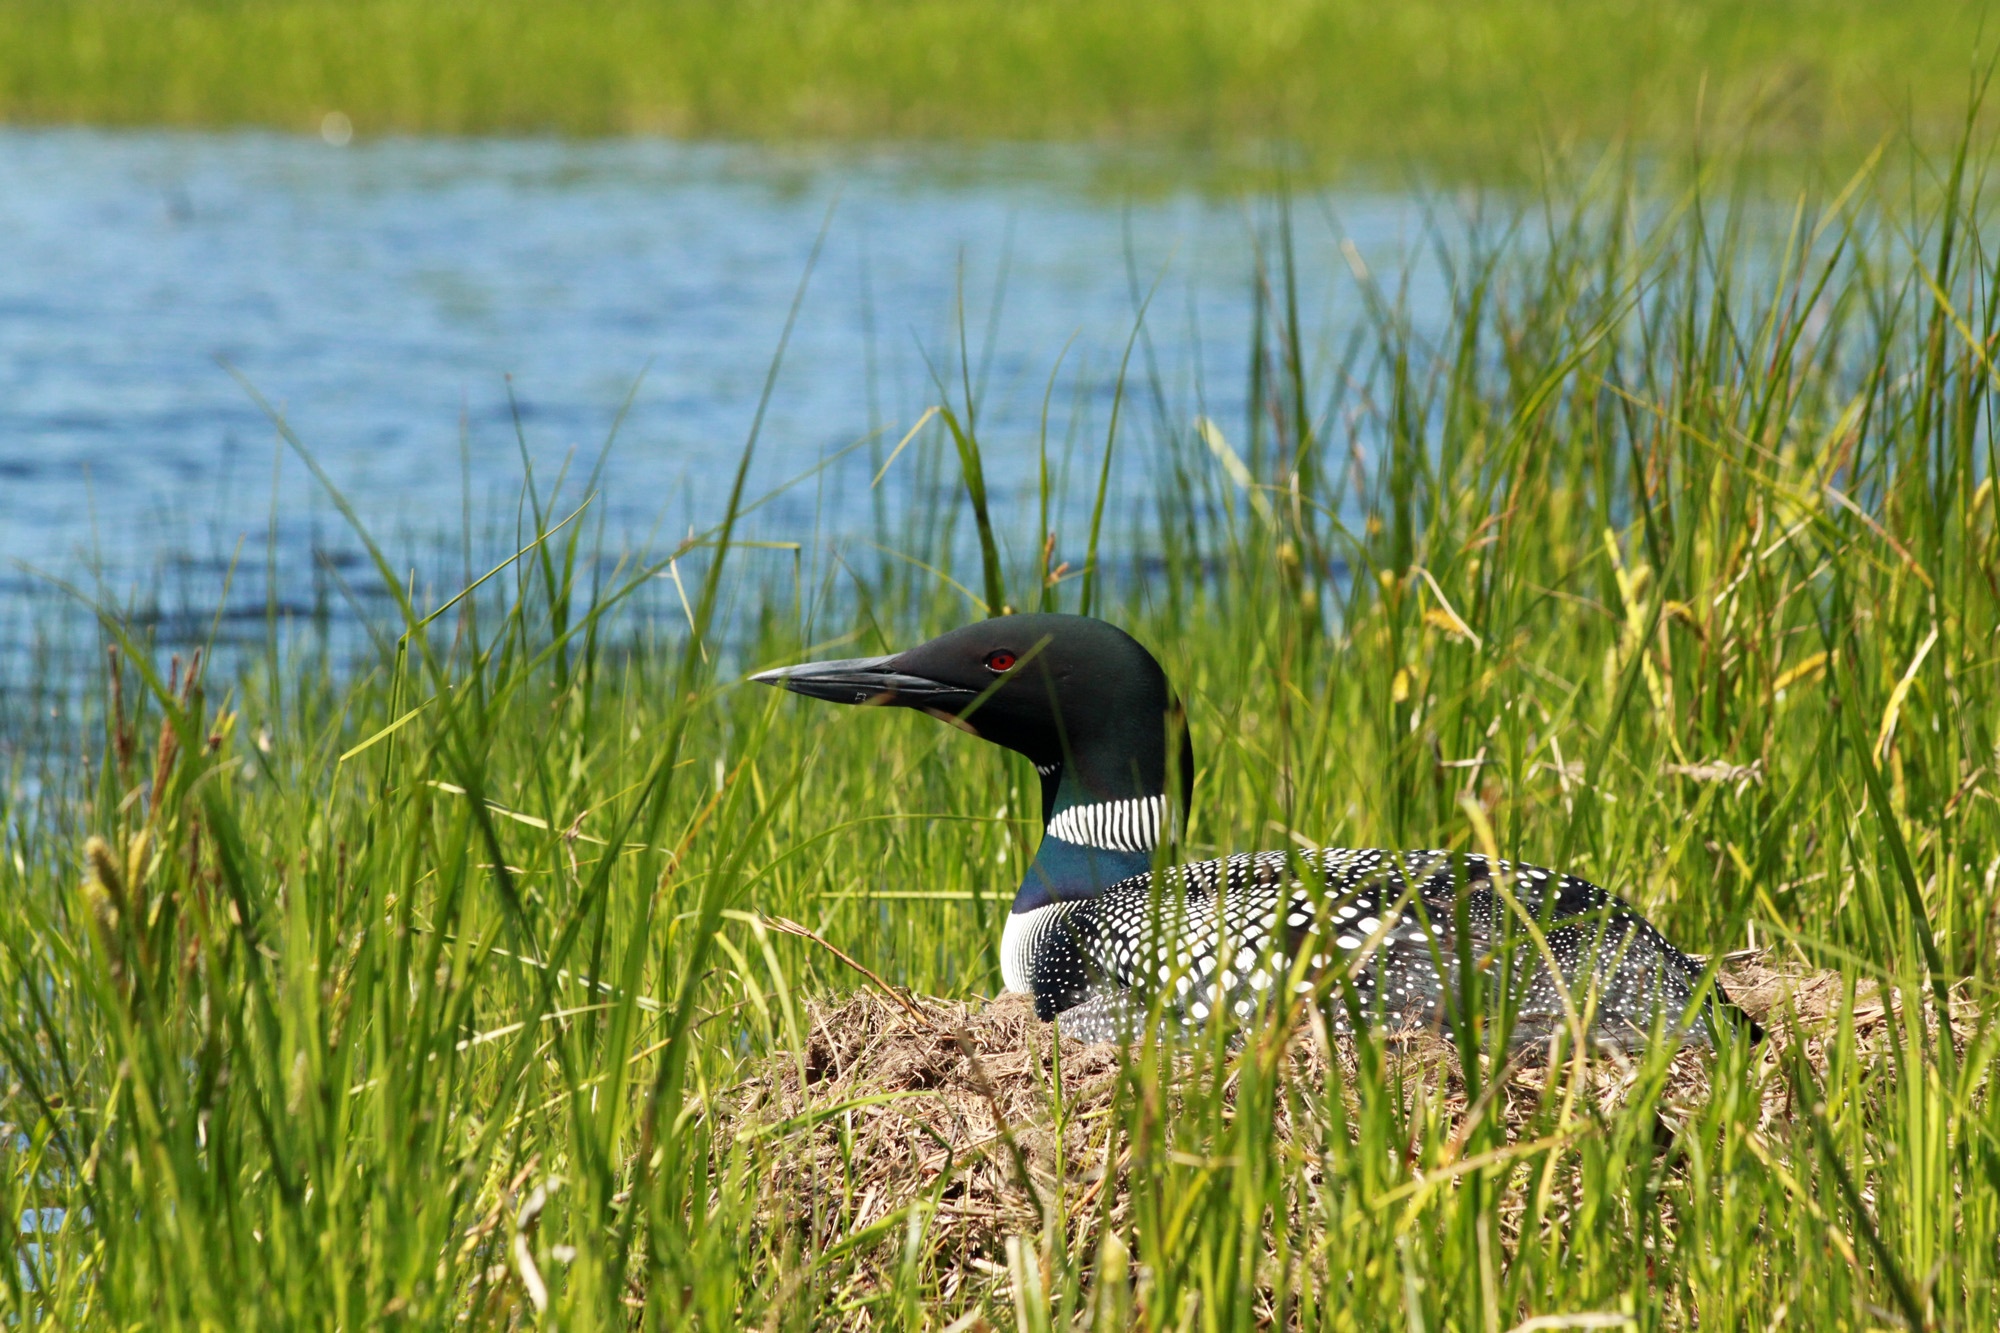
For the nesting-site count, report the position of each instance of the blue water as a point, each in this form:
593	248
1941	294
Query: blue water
384	296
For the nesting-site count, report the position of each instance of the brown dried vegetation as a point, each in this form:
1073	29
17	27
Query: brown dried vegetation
975	1111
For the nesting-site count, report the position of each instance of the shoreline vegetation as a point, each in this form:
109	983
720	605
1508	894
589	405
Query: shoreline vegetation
1465	88
492	979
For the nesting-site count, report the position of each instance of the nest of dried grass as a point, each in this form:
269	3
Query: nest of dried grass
899	1098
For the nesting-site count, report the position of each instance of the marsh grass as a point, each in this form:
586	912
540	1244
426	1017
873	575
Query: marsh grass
456	988
1472	88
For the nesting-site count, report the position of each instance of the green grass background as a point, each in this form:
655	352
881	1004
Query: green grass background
1465	84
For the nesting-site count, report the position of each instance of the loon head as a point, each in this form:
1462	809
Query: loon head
1092	711
1081	698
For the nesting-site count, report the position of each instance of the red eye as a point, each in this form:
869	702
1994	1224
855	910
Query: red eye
999	660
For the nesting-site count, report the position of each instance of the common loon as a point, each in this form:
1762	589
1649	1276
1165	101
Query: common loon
1096	942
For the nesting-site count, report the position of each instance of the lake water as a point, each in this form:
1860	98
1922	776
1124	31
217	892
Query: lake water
388	296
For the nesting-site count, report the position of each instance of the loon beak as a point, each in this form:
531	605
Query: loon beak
866	680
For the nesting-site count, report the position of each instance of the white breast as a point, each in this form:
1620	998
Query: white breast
1017	945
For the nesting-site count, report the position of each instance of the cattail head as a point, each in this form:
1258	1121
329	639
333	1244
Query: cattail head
103	884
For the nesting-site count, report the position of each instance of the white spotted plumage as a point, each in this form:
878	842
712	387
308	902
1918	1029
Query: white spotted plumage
1226	933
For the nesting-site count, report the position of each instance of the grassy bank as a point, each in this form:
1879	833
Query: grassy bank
450	989
1466	84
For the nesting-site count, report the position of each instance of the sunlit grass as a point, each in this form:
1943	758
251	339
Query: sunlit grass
1477	87
432	989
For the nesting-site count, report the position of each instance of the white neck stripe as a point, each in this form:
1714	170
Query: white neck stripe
1113	826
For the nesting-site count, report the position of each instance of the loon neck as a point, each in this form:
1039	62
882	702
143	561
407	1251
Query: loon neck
1094	834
